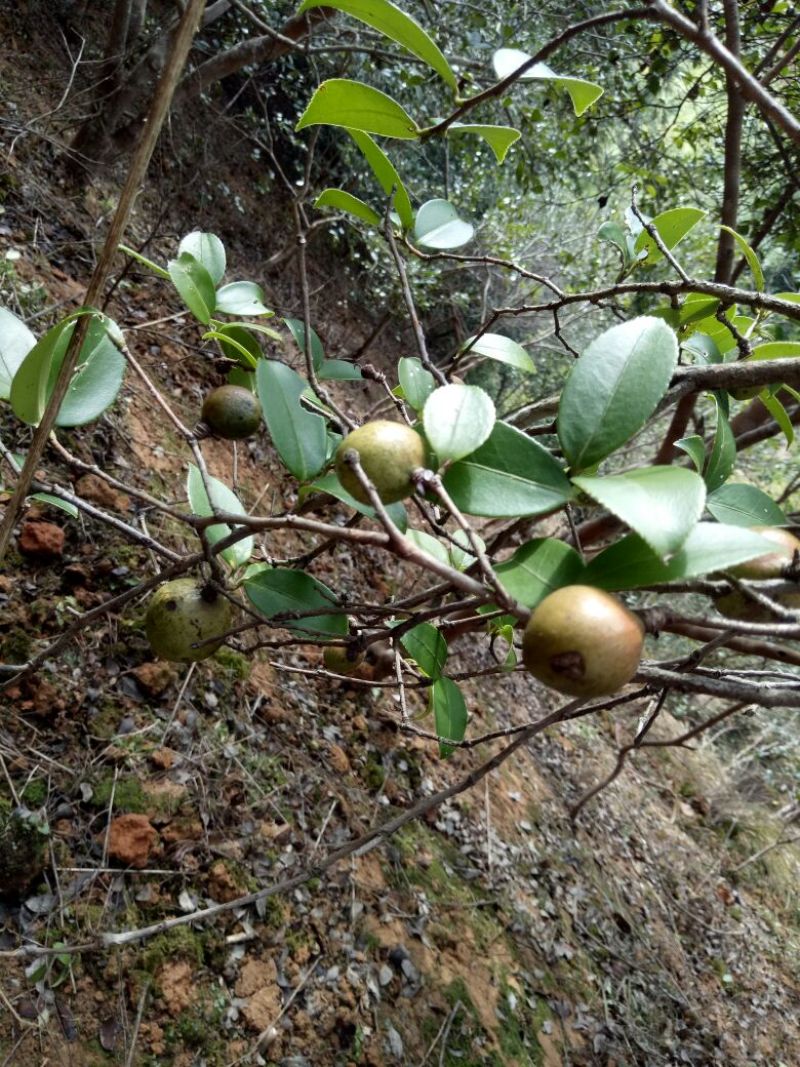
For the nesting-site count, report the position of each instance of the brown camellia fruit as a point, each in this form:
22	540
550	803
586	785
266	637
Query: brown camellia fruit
388	452
582	641
232	412
182	613
337	659
771	564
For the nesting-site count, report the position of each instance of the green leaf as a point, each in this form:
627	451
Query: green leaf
384	171
94	385
236	343
537	568
240	376
461	554
397	26
457	420
449	713
56	502
222	499
723	454
695	449
498	138
711	546
744	505
416	382
439	226
510	475
502	349
661	504
298	331
280	591
582	93
426	646
615	235
208	250
298	435
154	267
341	102
241	298
331	485
194	286
671	226
339	370
779	414
16	341
613	389
343	201
775	350
750	257
429	544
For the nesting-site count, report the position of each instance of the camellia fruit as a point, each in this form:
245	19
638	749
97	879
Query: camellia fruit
232	412
771	564
582	641
183	613
389	452
736	605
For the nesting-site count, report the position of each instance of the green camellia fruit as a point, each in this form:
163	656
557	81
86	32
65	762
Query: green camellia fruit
583	642
771	564
182	613
338	660
232	412
389	452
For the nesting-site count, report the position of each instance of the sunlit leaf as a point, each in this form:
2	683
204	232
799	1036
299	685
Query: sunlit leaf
341	102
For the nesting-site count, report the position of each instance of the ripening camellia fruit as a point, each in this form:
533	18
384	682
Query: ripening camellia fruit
337	659
231	412
582	641
182	613
771	564
389	452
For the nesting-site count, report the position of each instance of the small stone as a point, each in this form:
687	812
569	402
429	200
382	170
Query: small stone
154	678
43	540
338	759
385	974
93	488
131	839
163	758
222	886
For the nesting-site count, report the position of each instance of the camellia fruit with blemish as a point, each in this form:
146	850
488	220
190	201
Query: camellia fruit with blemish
771	564
231	412
185	613
389	453
582	641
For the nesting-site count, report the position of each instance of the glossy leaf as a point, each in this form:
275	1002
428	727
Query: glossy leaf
241	298
223	499
154	267
779	414
429	544
427	647
416	382
16	341
614	233
502	349
339	370
208	250
671	226
457	420
331	485
397	26
384	170
298	435
661	504
537	568
498	138
695	449
744	505
438	226
613	389
341	102
194	286
278	591
582	93
298	331
631	563
94	385
56	502
750	258
236	343
723	454
446	701
344	201
460	552
509	475
775	350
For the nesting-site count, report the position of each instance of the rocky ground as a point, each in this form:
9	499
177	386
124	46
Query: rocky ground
661	928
